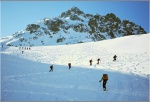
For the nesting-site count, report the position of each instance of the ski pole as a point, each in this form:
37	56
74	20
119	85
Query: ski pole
100	86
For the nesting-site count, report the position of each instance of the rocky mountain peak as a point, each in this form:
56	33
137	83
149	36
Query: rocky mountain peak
74	26
74	11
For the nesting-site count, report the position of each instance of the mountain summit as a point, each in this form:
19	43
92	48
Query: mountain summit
72	27
72	12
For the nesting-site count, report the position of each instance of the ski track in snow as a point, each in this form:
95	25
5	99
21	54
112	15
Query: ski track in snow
27	77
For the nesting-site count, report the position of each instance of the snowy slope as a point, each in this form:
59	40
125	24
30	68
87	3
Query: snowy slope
26	77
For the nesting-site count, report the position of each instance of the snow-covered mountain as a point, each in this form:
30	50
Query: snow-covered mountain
26	77
72	27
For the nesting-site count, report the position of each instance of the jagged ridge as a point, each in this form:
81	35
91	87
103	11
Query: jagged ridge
74	26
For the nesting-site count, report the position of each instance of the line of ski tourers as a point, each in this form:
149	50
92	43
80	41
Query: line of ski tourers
24	48
104	77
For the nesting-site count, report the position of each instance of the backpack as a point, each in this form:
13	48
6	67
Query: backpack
105	77
51	67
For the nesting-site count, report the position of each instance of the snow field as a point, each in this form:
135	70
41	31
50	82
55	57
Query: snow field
28	80
131	59
26	76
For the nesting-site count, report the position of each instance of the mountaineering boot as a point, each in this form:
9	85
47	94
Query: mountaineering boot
104	89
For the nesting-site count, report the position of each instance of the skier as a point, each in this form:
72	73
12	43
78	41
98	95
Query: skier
51	68
22	52
2	46
115	58
104	78
90	62
98	60
69	64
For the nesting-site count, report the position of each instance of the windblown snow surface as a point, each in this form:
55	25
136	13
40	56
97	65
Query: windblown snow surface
26	76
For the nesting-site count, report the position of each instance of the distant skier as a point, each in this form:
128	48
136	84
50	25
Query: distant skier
2	46
90	62
51	68
69	64
104	78
98	60
114	57
22	52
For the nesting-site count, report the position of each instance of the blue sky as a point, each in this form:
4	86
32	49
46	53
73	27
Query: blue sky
16	15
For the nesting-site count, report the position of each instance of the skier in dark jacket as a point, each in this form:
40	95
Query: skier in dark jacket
22	52
90	62
69	64
104	78
51	68
98	60
115	58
